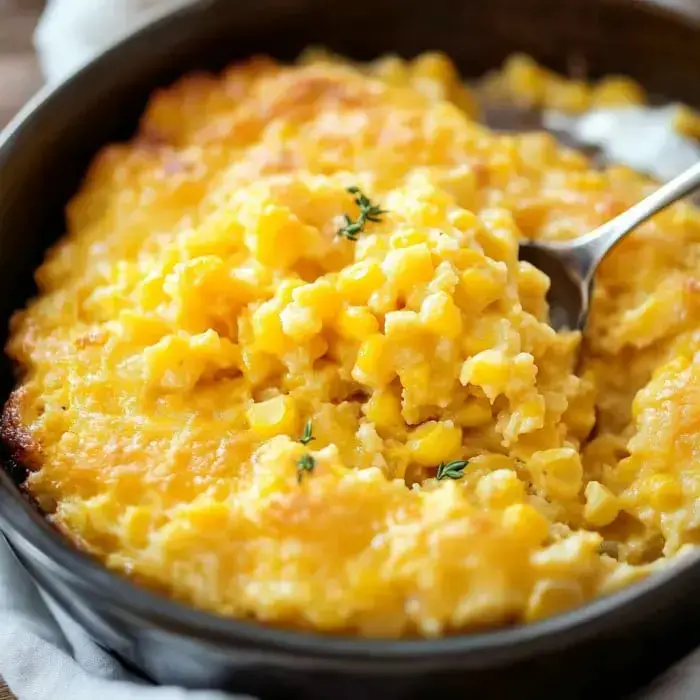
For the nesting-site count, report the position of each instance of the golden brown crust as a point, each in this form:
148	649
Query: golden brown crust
15	435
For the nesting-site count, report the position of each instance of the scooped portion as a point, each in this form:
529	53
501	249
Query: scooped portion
285	363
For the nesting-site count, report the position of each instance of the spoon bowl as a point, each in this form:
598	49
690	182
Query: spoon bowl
568	295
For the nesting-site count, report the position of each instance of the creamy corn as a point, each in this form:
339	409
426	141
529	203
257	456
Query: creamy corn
525	83
228	399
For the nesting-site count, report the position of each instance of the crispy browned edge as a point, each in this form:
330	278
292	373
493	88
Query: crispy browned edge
14	434
26	456
22	452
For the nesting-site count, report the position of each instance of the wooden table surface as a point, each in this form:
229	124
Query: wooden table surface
19	72
19	79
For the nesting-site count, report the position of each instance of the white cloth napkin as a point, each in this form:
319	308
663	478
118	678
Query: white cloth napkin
44	655
72	31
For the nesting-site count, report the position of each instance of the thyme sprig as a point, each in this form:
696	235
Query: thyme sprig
305	463
451	470
307	437
368	212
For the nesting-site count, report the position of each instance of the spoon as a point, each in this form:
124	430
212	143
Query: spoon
571	265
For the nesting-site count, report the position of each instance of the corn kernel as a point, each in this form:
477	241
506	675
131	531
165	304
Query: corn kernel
480	287
210	517
402	325
483	335
415	379
358	282
527	523
374	366
300	322
320	296
525	79
440	315
497	374
558	472
258	365
406	238
408	267
285	291
384	409
179	361
602	506
137	523
626	471
551	596
500	489
532	282
317	347
275	416
356	323
276	237
473	413
267	328
528	418
435	65
489	370
500	235
663	491
144	330
617	91
465	220
576	554
435	442
391	69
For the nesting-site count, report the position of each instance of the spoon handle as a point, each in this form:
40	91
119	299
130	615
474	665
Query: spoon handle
598	242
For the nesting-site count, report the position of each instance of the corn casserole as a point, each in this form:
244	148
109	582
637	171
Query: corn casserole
285	364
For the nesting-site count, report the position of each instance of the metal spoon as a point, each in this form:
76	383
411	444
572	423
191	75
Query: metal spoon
571	265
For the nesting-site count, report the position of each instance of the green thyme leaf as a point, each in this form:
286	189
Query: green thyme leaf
307	437
305	463
451	470
368	212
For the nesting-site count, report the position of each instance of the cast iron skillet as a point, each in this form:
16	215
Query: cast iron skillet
606	648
